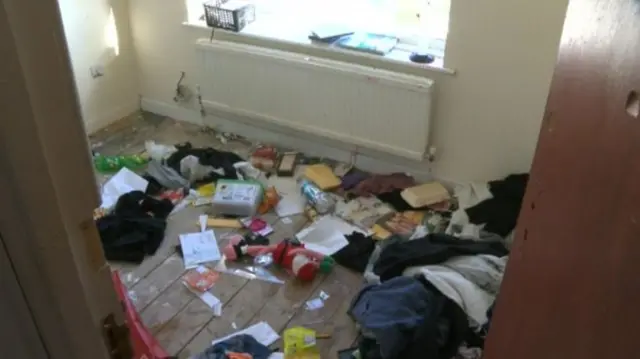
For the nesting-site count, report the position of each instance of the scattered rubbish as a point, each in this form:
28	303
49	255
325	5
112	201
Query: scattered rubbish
323	295
399	223
425	194
322	176
268	152
341	169
202	219
314	304
200	278
108	164
270	200
223	223
356	254
300	342
199	248
264	164
166	176
121	183
239	246
327	235
262	332
207	190
203	165
291	200
257	226
158	152
210	300
248	171
237	198
233	325
287	220
277	355
316	197
364	212
287	165
380	233
173	195
237	346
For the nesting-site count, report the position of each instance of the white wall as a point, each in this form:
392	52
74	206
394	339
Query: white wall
114	95
487	116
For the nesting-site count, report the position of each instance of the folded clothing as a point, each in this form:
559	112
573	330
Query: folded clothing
135	228
433	248
356	254
241	343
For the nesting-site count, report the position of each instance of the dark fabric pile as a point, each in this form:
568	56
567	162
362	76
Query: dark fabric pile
221	162
356	254
242	343
135	228
408	318
500	213
431	249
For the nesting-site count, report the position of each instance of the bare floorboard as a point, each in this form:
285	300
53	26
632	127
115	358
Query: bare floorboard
182	323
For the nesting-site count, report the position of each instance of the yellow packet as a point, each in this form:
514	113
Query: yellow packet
207	190
300	343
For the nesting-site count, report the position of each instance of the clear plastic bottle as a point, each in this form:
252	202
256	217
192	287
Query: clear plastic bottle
321	201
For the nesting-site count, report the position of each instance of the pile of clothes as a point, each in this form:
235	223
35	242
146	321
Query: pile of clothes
434	295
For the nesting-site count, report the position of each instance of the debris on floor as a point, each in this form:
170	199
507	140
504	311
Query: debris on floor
431	259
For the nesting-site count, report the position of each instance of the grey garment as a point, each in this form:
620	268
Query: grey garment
473	282
166	175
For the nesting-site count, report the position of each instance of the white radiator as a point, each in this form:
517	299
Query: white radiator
357	105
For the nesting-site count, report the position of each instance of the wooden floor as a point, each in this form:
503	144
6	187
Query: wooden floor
182	323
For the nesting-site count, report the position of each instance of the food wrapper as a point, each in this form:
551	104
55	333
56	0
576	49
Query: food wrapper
300	343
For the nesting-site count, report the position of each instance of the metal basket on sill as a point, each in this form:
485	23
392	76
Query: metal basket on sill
231	15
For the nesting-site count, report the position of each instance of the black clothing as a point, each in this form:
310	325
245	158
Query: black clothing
431	249
356	254
135	228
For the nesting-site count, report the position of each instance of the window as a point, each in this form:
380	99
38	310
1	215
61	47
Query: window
419	24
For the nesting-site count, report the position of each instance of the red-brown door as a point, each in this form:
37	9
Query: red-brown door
572	286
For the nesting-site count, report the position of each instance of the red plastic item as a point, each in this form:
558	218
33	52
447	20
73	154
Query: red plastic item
145	346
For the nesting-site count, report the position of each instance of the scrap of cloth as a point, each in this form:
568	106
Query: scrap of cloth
356	254
408	319
433	248
135	228
166	176
203	165
472	282
235	345
377	184
500	213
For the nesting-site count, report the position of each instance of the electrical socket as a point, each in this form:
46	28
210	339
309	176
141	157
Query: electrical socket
96	71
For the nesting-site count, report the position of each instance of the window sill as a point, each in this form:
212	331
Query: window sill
263	35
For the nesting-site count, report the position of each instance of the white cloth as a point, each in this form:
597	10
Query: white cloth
470	281
468	196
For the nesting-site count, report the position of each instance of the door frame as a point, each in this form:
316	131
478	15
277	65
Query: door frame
50	190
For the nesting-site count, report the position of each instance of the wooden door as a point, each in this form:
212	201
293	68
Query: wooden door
48	188
572	285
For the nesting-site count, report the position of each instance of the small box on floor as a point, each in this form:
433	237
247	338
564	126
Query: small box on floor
237	198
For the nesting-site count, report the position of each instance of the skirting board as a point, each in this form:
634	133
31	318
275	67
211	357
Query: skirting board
256	129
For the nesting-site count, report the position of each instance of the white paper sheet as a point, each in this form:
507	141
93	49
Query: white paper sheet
262	332
326	236
277	355
122	182
209	299
314	304
291	200
199	248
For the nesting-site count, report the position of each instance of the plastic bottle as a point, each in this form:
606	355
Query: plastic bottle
316	197
115	163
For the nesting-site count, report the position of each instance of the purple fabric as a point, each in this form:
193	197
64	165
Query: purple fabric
352	179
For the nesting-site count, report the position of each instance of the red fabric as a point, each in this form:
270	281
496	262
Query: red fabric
145	346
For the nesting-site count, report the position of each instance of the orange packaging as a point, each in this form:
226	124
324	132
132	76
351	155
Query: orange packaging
271	199
200	279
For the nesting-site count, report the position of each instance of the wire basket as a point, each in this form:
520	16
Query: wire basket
231	15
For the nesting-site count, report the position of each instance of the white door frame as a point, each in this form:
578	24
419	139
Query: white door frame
48	185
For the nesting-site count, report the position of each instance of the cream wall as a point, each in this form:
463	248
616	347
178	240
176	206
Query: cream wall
110	97
487	115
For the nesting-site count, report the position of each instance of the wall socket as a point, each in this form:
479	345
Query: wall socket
96	71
